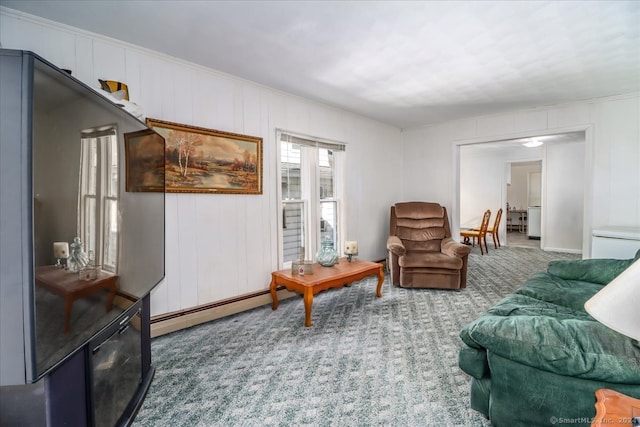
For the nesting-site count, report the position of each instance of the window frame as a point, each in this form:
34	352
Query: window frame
106	143
310	193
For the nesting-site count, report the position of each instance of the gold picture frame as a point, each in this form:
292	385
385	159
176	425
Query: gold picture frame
199	160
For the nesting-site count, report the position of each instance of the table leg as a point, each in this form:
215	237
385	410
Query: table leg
274	294
308	302
380	281
112	295
68	302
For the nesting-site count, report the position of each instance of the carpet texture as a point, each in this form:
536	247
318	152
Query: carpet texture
365	361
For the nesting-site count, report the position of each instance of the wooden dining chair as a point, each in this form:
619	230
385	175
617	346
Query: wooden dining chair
480	234
494	230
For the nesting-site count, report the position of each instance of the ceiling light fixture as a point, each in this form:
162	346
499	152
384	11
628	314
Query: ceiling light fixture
533	143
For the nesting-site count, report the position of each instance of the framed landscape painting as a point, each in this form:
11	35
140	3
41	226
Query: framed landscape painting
200	160
145	161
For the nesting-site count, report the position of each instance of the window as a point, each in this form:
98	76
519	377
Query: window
98	198
311	193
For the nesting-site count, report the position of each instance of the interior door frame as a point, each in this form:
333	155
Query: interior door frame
509	164
587	211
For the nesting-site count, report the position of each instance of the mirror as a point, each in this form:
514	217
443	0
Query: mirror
81	202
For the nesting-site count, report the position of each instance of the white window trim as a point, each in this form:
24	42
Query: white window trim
313	245
100	196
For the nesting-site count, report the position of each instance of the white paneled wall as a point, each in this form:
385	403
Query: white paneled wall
621	125
611	155
224	246
563	202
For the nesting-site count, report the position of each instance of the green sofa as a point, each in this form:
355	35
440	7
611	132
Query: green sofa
536	357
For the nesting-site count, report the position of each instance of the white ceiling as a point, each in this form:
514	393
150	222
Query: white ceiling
400	62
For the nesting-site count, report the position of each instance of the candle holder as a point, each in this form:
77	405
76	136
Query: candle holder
351	249
60	252
350	255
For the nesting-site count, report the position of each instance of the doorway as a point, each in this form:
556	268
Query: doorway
524	204
484	169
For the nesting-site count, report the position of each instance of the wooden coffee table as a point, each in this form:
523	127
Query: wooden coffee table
323	278
71	287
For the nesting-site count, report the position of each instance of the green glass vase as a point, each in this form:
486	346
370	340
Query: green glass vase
327	256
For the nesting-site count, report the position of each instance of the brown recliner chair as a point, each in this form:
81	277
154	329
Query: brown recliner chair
422	253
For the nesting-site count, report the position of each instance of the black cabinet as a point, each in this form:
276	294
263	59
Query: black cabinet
72	357
120	368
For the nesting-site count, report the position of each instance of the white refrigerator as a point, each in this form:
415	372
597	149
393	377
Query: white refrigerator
533	222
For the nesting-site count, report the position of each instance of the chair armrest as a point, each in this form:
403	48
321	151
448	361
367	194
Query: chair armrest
452	248
474	361
394	244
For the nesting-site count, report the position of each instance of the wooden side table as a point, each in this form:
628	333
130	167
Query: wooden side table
71	287
614	409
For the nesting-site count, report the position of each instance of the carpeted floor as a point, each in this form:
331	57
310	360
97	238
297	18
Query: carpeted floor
366	361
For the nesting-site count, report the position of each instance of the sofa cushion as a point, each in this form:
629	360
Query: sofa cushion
525	305
430	260
559	292
419	210
577	347
473	356
422	246
600	271
420	234
583	349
